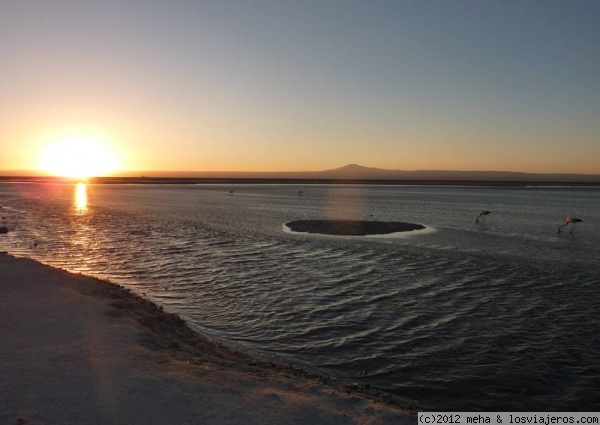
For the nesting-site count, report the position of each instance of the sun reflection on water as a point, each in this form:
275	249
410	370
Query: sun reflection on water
81	199
81	235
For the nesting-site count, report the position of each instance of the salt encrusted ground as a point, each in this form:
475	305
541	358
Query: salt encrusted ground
77	350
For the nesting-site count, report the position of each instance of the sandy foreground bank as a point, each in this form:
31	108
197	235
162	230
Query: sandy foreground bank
77	350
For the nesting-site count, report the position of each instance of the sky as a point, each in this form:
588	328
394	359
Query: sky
288	85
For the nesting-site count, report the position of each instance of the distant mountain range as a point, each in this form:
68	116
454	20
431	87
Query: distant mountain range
358	172
355	171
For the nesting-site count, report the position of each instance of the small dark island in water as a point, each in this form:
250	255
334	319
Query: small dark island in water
351	227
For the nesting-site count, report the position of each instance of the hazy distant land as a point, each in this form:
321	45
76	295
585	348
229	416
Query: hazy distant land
349	174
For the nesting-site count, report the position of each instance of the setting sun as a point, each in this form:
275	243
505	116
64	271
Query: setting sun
78	157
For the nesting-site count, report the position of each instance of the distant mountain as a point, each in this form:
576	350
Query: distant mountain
355	171
358	172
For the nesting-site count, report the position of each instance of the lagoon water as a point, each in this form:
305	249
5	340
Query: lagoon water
498	316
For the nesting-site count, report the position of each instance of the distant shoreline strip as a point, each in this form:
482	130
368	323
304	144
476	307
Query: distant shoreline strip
298	181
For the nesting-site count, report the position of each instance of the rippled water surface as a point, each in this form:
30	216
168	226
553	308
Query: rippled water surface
497	316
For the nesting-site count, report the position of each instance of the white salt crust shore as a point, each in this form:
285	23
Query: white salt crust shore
75	349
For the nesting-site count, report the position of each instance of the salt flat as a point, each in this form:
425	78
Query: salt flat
75	349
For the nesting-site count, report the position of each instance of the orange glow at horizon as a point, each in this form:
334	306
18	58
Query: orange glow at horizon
78	157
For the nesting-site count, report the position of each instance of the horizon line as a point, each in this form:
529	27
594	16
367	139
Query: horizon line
358	170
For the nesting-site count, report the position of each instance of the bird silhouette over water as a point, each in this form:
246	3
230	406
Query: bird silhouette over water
481	216
230	193
570	220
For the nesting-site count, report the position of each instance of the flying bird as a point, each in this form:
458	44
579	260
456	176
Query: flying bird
481	215
570	220
230	192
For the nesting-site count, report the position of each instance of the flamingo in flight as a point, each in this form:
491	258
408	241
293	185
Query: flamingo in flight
570	220
481	216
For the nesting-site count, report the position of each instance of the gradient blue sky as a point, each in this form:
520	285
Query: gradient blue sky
305	85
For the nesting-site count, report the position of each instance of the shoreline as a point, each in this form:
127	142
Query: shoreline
79	349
